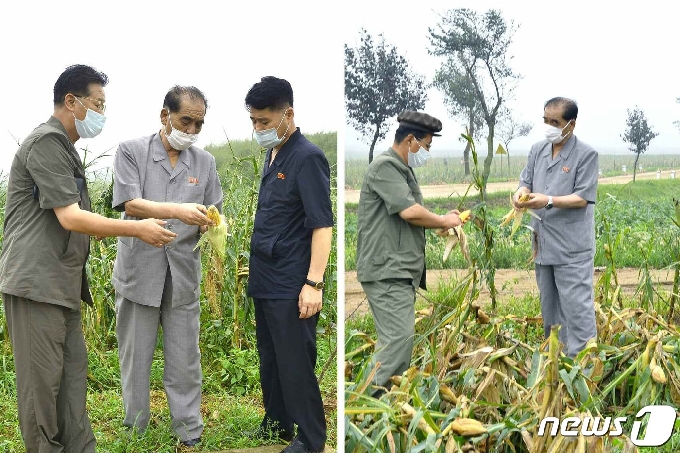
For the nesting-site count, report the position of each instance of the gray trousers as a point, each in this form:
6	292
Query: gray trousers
137	332
51	374
393	305
567	298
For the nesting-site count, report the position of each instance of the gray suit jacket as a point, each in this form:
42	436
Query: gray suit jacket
564	235
142	170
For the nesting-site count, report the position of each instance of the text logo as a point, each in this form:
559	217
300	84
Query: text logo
659	426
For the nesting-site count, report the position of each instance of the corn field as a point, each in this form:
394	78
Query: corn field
483	382
227	316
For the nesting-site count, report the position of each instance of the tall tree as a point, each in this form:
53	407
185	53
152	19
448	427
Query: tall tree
378	86
479	44
510	128
638	134
460	100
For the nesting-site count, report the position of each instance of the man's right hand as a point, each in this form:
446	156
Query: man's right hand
451	219
152	232
192	214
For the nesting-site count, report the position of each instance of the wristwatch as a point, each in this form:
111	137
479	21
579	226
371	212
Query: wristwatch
549	204
317	285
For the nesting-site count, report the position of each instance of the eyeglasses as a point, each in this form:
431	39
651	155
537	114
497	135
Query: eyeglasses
425	145
99	105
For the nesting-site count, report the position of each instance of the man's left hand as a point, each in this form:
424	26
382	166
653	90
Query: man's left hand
309	302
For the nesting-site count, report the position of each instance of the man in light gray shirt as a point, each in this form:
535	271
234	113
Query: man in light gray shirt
561	178
163	175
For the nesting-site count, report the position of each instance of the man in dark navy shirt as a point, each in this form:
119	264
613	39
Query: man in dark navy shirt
289	251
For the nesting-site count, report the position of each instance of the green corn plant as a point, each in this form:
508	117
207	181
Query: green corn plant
488	266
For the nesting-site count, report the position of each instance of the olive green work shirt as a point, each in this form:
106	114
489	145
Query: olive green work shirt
388	246
41	260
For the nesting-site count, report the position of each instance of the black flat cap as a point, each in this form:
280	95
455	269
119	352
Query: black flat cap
420	121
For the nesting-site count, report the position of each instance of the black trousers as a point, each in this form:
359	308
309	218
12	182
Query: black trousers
286	345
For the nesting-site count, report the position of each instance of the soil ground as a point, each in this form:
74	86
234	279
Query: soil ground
509	282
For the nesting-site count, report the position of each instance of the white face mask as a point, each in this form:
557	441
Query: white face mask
179	140
554	134
92	125
418	158
269	138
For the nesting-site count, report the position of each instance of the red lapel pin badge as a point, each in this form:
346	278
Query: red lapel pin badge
193	180
281	176
565	169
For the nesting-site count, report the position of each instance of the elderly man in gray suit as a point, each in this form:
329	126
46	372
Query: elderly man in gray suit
561	178
164	176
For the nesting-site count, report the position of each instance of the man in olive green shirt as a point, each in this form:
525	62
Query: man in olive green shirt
42	265
391	240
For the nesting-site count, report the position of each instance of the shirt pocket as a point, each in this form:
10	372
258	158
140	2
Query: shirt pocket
76	250
274	192
193	193
262	244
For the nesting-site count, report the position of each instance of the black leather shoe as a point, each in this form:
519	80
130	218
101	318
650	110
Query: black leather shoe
269	434
296	446
191	442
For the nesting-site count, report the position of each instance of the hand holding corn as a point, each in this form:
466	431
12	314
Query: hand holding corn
517	211
456	236
192	214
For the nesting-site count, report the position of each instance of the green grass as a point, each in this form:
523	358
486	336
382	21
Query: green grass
642	212
227	410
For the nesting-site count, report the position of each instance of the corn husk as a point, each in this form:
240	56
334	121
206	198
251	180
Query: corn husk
515	215
214	244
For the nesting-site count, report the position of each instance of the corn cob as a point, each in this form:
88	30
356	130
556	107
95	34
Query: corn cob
515	215
467	427
214	215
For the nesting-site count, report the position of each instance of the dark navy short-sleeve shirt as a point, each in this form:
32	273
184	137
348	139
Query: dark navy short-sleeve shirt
294	199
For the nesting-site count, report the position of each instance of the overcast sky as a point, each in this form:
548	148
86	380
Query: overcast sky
607	55
145	47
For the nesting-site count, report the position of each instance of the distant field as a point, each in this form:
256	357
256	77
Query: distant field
449	170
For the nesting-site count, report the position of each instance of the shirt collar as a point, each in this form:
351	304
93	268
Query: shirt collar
159	152
285	149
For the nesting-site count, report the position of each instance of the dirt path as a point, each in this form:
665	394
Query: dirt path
445	190
509	282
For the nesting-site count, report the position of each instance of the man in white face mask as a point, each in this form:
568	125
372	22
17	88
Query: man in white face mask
164	175
391	240
561	180
289	252
47	232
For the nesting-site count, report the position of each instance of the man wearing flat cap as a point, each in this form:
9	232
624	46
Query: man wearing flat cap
391	240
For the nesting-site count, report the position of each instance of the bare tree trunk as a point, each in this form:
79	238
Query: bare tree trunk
489	157
635	167
471	132
508	154
375	139
466	159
